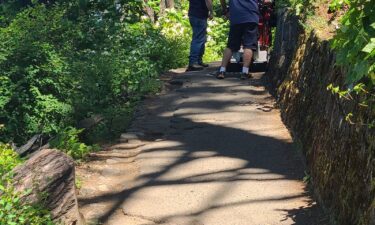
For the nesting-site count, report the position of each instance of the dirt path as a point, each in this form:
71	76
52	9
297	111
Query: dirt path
207	152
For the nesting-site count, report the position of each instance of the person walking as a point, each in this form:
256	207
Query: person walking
199	12
244	19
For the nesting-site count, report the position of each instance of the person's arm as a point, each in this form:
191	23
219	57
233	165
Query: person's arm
210	8
223	5
224	8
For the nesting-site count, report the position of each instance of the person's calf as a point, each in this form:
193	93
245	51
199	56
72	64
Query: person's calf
247	57
226	58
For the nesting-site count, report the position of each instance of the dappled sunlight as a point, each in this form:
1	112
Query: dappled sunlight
215	155
195	167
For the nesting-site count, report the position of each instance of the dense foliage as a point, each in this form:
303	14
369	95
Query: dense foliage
355	40
8	160
65	61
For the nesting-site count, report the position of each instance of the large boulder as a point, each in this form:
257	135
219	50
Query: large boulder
51	176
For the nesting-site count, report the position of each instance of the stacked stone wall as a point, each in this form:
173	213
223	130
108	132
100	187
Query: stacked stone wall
339	155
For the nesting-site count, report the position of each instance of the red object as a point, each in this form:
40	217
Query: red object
265	35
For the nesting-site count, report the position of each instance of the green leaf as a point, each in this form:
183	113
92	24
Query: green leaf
370	46
359	88
372	76
360	70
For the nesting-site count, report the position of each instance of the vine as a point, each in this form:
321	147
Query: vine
354	44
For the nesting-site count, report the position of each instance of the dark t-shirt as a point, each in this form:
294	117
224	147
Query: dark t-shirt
198	8
243	11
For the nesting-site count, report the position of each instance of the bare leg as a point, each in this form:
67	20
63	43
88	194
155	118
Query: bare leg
247	56
224	63
226	57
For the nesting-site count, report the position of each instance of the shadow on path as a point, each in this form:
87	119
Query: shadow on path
202	123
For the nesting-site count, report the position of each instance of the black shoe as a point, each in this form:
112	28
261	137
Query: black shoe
244	76
220	75
203	64
194	67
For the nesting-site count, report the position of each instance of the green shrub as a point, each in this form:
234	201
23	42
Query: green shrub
33	77
68	142
14	212
8	160
64	62
218	30
355	40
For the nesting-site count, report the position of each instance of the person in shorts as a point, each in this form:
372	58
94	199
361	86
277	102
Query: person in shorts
244	19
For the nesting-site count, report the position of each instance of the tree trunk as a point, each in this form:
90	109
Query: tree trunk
150	12
51	177
166	4
170	4
162	6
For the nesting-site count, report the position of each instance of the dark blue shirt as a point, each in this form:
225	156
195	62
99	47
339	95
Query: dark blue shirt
243	11
198	8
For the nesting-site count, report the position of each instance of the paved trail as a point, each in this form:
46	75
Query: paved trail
207	152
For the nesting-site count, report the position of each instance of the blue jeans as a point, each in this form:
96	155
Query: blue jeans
199	39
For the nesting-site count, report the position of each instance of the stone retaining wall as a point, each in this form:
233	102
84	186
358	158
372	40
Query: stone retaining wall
340	156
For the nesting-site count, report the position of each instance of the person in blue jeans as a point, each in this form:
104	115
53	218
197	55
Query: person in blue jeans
244	20
199	12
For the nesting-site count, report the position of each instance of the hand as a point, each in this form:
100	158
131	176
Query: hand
226	13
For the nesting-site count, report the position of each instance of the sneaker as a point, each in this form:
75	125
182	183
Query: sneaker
244	76
203	64
195	67
220	75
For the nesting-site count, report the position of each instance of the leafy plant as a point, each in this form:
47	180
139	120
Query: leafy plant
355	47
8	159
68	141
218	30
66	60
355	42
33	78
14	212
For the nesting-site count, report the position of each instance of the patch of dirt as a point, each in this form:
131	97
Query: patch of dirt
324	21
107	173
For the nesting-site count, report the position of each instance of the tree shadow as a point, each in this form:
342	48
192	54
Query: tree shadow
256	156
312	214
